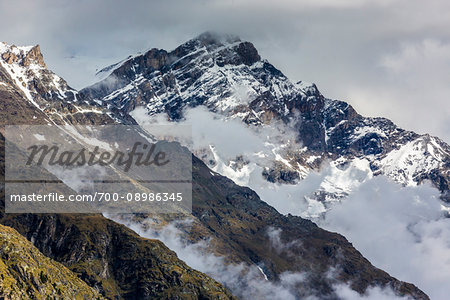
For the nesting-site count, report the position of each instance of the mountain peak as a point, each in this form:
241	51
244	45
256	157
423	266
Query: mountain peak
24	56
211	38
227	46
206	57
24	68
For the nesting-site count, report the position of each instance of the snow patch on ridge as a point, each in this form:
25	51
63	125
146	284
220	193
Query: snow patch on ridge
24	75
416	157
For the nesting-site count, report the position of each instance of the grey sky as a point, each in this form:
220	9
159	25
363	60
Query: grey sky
387	58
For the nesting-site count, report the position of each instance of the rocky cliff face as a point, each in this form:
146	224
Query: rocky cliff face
23	74
228	77
108	256
104	255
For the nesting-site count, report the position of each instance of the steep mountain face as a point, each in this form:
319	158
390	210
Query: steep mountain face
27	274
243	228
106	255
27	69
240	226
23	74
228	77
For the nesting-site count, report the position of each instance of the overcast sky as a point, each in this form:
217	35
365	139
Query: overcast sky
387	58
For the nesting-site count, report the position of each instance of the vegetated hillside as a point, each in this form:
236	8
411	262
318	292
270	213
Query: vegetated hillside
25	273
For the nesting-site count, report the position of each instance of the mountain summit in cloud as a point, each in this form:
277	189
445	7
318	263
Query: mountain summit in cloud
228	77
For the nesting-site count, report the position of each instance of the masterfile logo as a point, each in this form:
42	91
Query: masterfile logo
111	168
140	154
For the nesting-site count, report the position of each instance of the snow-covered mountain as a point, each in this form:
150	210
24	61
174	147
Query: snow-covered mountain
300	130
233	235
26	67
23	70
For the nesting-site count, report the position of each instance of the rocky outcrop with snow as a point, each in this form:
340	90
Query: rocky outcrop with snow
228	77
23	73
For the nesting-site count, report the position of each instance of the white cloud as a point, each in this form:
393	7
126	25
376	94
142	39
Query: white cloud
374	293
415	59
274	235
401	230
208	128
256	145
